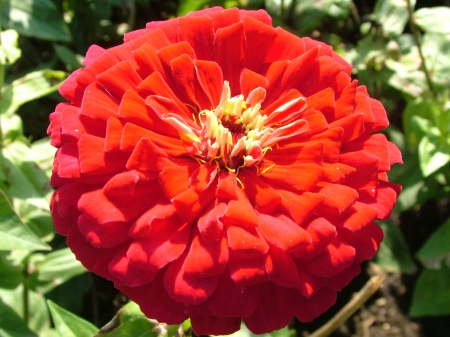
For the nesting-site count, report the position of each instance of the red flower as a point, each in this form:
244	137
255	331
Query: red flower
217	168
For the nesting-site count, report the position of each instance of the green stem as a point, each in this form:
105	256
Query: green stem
416	35
25	294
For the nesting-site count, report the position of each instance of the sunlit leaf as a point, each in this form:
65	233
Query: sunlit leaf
13	233
68	324
434	19
130	321
437	248
432	293
245	332
392	15
58	267
393	254
11	325
11	275
35	18
434	153
9	51
30	87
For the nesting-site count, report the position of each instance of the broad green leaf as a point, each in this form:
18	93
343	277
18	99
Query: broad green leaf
30	87
39	318
68	57
434	19
56	268
11	275
11	325
13	233
431	295
245	332
130	322
26	179
68	324
9	51
393	254
35	18
437	248
392	15
436	51
434	153
44	154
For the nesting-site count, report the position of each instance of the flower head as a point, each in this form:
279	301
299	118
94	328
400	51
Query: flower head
217	168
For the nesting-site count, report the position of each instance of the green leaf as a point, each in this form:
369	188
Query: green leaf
9	51
30	87
434	153
43	155
68	324
431	295
393	254
11	275
130	322
39	318
434	19
13	233
11	325
35	18
437	248
68	57
56	268
245	332
392	15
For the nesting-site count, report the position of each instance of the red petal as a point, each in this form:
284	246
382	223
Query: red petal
241	212
287	46
155	38
71	126
353	126
385	199
155	302
175	179
124	183
324	102
322	233
84	251
306	153
355	217
199	33
332	143
308	309
184	289
67	161
283	232
167	54
365	176
345	102
93	52
224	17
246	240
281	268
264	197
147	156
231	60
102	63
379	114
160	214
147	61
210	78
113	136
190	203
121	267
206	259
120	78
203	176
98	104
133	133
338	256
230	300
227	185
210	225
310	284
338	197
213	325
342	279
274	310
105	235
165	242
94	161
301	177
250	80
247	268
169	28
259	38
300	206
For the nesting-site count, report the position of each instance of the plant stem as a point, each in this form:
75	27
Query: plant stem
416	35
25	295
353	305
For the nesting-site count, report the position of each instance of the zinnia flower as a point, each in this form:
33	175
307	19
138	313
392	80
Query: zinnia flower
217	168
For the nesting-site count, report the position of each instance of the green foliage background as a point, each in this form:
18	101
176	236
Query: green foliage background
400	50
